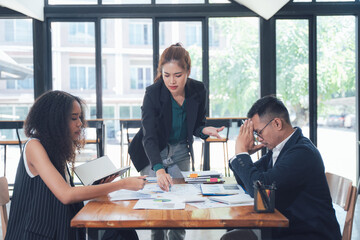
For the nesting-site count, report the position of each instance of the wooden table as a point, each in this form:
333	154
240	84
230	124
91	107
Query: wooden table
120	214
102	213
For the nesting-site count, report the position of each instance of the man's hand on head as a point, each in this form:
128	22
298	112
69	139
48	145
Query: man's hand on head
245	142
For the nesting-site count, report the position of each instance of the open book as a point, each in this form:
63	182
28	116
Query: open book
92	172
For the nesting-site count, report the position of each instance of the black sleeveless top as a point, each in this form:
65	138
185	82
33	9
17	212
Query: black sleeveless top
35	212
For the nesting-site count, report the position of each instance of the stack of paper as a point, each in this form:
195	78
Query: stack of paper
203	177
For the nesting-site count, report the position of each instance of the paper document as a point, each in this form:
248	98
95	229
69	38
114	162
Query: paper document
92	172
159	203
214	204
174	199
124	194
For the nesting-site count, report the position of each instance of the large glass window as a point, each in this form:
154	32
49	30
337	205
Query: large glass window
71	2
74	61
127	58
16	65
234	66
81	32
336	94
140	77
82	77
16	84
140	32
126	1
179	1
188	33
292	69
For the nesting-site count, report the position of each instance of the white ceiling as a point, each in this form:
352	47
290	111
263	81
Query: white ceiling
31	8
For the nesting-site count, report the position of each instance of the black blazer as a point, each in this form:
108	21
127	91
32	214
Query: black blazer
156	121
302	193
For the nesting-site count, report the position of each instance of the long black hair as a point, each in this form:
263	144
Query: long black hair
48	121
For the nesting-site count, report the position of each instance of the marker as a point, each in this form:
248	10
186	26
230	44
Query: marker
213	180
193	175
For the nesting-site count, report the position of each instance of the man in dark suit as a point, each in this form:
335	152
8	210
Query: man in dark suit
293	164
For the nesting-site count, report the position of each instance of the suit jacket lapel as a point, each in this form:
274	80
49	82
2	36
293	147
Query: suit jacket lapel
165	110
192	105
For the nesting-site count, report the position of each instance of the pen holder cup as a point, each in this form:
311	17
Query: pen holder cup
264	199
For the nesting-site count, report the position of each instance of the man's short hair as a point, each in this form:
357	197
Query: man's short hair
269	107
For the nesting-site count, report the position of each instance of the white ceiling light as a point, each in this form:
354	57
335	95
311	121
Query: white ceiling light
33	8
265	8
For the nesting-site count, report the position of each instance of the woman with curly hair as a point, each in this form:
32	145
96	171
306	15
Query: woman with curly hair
44	198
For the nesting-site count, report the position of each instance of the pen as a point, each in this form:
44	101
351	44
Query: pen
263	194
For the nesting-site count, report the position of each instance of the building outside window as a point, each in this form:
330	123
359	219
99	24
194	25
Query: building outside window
82	77
140	33
193	34
141	77
81	32
17	30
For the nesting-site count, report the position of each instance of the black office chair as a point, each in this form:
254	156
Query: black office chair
218	123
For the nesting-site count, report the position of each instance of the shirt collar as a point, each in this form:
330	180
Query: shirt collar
276	151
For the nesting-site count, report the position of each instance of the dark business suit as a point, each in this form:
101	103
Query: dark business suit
302	193
157	121
36	213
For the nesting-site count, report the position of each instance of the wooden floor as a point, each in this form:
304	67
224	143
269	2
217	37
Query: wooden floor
216	234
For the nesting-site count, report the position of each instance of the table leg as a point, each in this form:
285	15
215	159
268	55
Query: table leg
206	157
94	233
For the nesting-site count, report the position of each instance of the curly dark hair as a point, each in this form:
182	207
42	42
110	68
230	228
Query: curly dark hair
48	121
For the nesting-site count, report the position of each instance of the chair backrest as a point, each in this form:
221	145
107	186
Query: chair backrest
15	125
344	194
99	126
4	199
219	123
131	124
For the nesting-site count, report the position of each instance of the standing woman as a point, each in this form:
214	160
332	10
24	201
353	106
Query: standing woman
44	198
173	112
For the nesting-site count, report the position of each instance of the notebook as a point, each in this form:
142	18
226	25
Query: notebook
220	189
92	172
234	199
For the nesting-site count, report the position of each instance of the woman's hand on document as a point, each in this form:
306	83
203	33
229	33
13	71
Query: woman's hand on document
164	180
